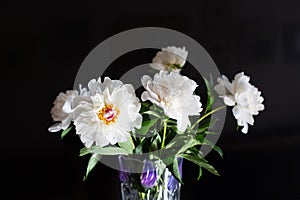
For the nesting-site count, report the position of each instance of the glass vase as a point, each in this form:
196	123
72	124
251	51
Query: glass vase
147	180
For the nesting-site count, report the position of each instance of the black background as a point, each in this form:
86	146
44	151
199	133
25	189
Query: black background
42	47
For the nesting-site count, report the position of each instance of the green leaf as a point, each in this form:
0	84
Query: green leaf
218	149
211	80
193	151
144	106
214	147
210	133
205	123
173	167
150	112
169	160
204	141
191	143
156	141
91	164
200	162
127	146
200	173
65	132
111	150
174	128
210	97
201	130
180	144
139	148
200	138
171	121
146	125
178	141
176	172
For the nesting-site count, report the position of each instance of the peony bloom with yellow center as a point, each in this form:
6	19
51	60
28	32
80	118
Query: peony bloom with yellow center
175	94
170	59
109	114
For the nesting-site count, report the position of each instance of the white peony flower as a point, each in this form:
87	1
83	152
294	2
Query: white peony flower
175	94
61	111
245	98
170	59
109	114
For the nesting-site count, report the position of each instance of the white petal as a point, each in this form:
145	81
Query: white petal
229	100
261	107
55	127
158	66
130	88
138	121
87	141
93	86
67	107
236	110
220	89
245	128
193	106
183	123
145	79
66	123
146	96
109	84
116	134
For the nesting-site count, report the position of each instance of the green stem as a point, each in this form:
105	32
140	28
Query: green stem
142	194
164	134
132	143
207	114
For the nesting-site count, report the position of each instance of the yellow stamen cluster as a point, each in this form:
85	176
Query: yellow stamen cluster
107	109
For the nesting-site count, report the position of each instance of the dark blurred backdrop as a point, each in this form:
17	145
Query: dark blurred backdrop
42	47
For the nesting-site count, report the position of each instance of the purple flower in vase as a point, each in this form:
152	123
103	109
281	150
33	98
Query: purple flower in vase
149	174
123	174
173	184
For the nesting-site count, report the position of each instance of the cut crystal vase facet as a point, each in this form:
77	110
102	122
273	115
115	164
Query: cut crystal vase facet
154	182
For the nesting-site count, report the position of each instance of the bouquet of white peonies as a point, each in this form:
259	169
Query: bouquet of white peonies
111	120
